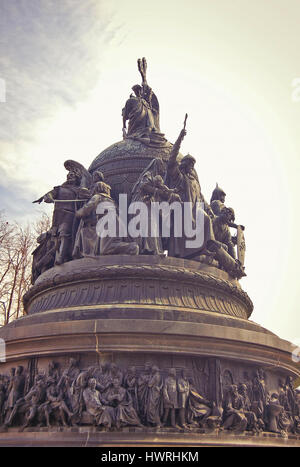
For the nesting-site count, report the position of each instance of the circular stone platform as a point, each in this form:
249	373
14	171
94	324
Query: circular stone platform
130	310
142	305
167	283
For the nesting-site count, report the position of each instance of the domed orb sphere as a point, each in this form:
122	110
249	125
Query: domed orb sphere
123	162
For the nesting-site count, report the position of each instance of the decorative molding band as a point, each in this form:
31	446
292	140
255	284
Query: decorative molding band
151	284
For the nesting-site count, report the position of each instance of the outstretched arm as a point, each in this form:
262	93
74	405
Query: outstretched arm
176	146
235	226
47	198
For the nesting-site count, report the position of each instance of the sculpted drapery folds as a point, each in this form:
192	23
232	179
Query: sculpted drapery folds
170	397
142	113
150	188
101	414
17	385
249	413
29	405
183	177
183	396
130	383
15	392
55	406
119	310
291	397
224	218
234	411
259	390
142	390
198	407
151	397
168	179
67	200
153	408
120	400
66	381
222	232
43	255
86	235
90	239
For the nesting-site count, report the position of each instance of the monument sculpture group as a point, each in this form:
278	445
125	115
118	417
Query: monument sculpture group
110	398
136	317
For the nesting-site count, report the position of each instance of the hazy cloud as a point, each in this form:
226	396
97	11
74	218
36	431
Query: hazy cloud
50	60
50	57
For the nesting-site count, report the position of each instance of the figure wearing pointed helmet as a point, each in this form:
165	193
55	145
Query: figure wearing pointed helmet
217	200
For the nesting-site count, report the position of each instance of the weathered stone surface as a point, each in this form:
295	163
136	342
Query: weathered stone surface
140	280
142	350
92	438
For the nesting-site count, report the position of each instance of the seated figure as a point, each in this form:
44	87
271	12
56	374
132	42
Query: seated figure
249	413
198	408
102	414
55	405
234	416
120	402
91	238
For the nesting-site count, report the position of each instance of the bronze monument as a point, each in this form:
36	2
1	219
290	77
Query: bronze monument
137	328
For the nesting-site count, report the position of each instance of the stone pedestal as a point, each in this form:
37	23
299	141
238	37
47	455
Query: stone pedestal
130	310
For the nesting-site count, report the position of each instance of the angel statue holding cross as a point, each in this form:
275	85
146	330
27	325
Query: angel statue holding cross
142	113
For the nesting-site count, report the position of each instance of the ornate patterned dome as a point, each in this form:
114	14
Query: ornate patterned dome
123	162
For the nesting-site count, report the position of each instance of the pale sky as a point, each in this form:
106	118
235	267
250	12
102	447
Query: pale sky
69	65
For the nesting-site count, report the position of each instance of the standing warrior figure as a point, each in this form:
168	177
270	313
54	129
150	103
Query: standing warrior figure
182	176
142	112
67	200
